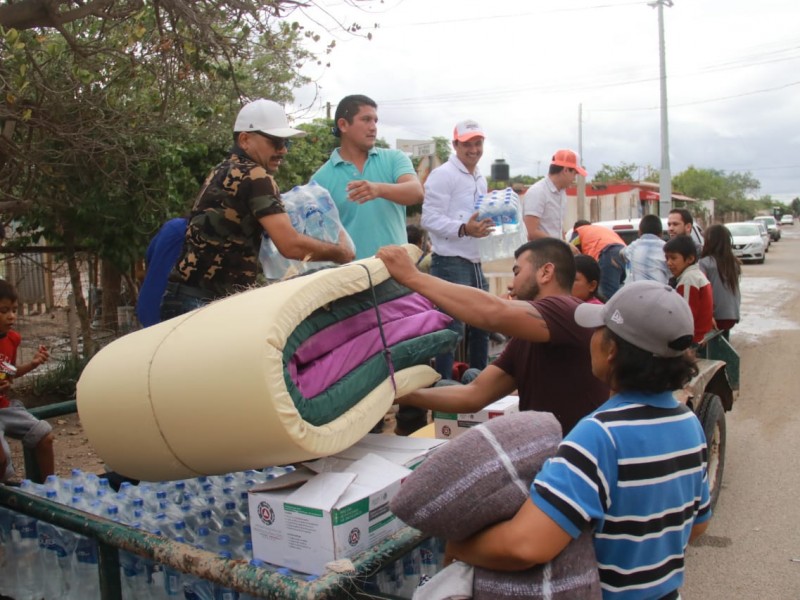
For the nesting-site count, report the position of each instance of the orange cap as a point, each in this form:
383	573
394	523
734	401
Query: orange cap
569	159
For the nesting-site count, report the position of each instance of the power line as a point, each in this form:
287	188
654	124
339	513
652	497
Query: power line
706	101
491	95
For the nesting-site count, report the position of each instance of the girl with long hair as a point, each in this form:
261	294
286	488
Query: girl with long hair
724	271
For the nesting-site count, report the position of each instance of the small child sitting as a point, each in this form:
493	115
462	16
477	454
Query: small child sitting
15	421
691	283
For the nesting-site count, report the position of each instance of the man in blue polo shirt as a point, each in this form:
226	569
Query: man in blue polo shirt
634	471
371	186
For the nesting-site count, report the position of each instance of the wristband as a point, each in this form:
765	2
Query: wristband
462	231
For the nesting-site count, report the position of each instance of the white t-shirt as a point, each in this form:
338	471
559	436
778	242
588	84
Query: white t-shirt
547	202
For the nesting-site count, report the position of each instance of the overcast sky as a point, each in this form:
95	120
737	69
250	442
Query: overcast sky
522	68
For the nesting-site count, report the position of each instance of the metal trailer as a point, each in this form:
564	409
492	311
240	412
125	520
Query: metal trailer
710	394
237	574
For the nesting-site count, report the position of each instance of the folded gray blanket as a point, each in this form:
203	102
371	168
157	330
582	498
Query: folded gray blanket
483	477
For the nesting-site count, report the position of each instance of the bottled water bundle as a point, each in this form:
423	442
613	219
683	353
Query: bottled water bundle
504	208
313	213
405	575
40	560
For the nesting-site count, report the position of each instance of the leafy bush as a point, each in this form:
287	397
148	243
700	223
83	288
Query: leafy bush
56	384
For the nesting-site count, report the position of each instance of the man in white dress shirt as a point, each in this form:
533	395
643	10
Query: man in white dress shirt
449	216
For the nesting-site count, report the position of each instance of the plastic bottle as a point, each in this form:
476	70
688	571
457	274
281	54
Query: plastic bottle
411	573
8	577
84	584
195	588
132	576
56	546
231	510
155	576
173	580
203	538
27	558
428	559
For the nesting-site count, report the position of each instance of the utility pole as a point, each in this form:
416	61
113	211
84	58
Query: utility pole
328	111
665	176
581	179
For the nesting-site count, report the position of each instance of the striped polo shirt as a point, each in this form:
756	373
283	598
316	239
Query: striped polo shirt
635	471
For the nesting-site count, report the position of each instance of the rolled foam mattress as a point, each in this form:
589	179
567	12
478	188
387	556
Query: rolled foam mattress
273	375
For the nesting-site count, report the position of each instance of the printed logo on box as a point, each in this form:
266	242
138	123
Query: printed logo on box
354	537
265	513
446	431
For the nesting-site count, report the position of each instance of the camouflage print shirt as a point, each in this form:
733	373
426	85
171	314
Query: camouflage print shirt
220	253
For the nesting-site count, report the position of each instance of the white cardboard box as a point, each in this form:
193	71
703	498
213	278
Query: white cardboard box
451	425
406	451
331	516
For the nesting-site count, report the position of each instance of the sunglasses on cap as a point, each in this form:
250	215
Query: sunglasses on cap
277	142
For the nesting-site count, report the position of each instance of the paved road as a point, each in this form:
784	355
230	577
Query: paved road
752	547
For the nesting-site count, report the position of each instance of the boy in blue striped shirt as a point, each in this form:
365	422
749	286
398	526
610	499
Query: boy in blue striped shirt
634	471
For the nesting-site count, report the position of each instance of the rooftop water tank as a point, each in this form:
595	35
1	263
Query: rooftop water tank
500	170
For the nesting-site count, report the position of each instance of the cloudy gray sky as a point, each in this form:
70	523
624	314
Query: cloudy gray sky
522	68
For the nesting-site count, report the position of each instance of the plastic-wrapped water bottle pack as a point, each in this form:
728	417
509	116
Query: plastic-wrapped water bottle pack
504	208
312	212
40	560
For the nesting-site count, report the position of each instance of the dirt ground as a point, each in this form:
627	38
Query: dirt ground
72	448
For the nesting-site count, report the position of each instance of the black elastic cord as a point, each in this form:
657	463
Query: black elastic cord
387	353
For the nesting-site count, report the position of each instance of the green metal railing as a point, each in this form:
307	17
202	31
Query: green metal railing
237	574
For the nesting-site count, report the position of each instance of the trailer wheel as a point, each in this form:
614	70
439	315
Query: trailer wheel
712	419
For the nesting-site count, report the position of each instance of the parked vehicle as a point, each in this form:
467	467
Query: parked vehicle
773	227
787	220
747	242
762	227
628	230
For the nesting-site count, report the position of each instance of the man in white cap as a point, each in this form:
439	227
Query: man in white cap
449	216
238	202
634	472
545	201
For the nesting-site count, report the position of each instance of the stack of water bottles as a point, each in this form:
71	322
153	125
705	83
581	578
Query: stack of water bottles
502	207
403	576
39	560
312	212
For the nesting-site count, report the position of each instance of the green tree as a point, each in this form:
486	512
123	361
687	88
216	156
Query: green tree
112	113
621	172
795	205
307	154
731	192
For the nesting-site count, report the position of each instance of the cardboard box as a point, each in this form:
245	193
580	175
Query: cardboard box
330	516
451	425
405	451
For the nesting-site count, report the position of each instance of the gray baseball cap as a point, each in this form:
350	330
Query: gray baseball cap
650	315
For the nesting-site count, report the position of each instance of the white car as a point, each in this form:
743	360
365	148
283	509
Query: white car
787	220
747	242
773	228
628	230
762	227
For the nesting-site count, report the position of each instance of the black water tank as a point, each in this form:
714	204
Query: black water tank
500	170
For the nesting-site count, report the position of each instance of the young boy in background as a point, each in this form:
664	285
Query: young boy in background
691	283
15	421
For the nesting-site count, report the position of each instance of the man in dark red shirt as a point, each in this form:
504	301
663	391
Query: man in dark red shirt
547	360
